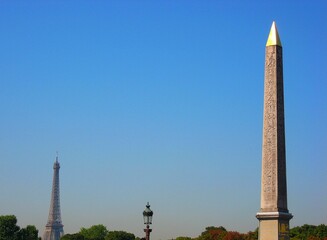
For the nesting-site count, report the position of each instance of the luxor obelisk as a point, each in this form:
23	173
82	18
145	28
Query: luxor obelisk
273	216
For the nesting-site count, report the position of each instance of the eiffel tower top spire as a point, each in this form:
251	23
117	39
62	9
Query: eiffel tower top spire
54	227
56	165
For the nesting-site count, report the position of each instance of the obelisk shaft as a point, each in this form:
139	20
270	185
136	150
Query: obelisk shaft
273	216
273	187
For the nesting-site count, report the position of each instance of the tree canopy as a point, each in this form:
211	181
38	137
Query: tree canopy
10	231
119	235
75	236
28	233
8	228
305	232
309	232
95	232
100	232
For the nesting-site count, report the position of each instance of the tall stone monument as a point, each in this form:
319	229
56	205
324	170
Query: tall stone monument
54	228
273	216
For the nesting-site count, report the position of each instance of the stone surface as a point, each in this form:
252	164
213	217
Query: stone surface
273	216
273	191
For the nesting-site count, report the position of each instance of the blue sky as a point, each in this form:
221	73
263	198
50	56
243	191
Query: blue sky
158	101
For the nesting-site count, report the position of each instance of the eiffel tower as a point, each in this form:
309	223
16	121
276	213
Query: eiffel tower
54	228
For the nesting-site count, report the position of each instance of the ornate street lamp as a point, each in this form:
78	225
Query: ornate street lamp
147	216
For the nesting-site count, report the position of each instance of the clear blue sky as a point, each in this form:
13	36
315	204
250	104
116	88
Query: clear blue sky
158	101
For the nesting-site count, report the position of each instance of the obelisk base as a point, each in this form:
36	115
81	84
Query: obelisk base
274	225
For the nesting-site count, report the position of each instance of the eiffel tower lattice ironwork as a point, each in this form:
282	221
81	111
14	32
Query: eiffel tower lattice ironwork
54	228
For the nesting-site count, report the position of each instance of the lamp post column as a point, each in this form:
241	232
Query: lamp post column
147	216
147	232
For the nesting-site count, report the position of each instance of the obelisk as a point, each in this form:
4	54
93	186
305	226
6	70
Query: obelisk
273	216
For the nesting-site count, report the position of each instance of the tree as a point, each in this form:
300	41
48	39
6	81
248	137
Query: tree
213	233
75	236
233	236
183	238
307	232
252	235
321	231
8	228
95	232
28	233
119	235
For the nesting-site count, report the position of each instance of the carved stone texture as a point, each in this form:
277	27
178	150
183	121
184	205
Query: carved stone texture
273	216
273	187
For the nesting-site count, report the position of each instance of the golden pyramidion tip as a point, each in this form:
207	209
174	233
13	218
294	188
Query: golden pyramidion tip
273	39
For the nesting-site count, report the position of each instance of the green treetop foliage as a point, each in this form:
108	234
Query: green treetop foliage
28	233
306	232
99	232
183	238
309	232
75	236
119	235
10	231
8	228
95	232
213	233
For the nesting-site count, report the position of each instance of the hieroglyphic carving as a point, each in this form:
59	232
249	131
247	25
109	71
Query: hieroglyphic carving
273	153
273	216
269	130
269	124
